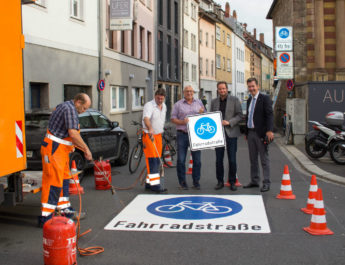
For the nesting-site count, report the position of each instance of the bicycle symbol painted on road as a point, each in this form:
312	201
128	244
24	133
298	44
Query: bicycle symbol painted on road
194	208
206	207
205	128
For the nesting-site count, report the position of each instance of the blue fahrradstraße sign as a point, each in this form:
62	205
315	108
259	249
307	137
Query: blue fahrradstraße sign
194	208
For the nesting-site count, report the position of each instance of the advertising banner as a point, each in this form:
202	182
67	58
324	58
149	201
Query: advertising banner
121	14
205	131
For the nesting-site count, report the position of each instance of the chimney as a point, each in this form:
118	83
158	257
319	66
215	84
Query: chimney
234	14
245	26
255	34
227	9
262	37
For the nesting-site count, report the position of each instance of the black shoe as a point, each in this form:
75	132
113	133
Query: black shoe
183	186
219	186
251	185
233	187
161	191
265	187
196	187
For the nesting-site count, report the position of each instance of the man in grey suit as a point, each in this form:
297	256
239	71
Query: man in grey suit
231	114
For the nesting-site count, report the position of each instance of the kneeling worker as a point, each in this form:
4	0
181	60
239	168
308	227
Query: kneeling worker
61	138
153	127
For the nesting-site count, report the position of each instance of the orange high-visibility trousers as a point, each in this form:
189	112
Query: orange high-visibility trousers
153	152
56	175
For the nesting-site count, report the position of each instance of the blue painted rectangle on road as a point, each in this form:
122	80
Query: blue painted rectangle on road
193	213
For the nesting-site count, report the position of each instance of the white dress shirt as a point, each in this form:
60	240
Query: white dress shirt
156	116
250	107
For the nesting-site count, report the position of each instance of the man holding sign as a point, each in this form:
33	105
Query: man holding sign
182	108
231	114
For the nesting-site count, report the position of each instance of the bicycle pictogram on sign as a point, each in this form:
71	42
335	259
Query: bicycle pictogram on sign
205	128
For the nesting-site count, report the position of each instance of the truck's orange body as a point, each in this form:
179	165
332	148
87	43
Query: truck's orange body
12	137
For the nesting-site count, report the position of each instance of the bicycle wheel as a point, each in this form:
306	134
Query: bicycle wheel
217	210
337	152
135	158
169	155
169	209
288	134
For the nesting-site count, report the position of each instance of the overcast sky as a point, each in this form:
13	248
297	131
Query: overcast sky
253	12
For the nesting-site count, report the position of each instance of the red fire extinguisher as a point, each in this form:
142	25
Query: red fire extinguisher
59	241
102	172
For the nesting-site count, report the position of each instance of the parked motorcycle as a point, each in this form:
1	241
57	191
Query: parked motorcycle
319	140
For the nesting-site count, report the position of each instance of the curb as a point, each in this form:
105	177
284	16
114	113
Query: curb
308	165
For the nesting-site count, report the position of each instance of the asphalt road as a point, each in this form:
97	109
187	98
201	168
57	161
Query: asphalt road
21	240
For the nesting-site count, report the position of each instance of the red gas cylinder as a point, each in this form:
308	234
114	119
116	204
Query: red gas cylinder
59	241
102	168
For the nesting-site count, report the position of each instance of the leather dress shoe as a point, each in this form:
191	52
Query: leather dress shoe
219	186
265	187
251	185
233	187
183	186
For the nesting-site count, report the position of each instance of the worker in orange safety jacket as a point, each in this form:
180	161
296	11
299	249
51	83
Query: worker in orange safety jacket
153	126
61	138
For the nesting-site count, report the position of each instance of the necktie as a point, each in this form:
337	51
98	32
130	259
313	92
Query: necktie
251	113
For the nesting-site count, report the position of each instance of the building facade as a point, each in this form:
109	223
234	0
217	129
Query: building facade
128	65
169	46
190	39
247	63
61	57
207	54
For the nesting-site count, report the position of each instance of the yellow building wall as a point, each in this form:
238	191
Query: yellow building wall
247	64
225	52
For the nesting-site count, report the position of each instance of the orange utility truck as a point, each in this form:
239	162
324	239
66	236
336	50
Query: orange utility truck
12	123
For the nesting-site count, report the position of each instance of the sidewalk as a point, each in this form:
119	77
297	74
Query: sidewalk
324	167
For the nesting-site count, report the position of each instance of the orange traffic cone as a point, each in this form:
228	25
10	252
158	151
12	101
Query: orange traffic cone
237	183
190	166
167	157
311	197
74	184
285	188
318	224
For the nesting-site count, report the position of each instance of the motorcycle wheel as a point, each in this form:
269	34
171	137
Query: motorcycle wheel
337	152
314	150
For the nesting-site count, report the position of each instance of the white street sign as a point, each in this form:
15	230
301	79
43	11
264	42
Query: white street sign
193	213
206	131
285	65
121	14
284	38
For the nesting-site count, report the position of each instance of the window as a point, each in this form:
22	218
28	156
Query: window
212	68
85	120
160	53
39	95
149	4
169	57
160	12
100	120
224	63
218	33
200	37
206	67
168	14
185	38
193	72
206	40
149	44
218	61
186	7
177	64
77	9
186	71
228	41
223	36
176	17
200	65
141	43
229	65
138	97
193	10
212	41
118	98
193	42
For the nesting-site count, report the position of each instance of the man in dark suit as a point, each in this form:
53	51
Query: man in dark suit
231	114
259	133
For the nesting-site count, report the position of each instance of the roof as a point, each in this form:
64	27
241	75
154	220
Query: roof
269	14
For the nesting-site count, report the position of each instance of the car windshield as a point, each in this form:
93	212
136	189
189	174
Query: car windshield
37	120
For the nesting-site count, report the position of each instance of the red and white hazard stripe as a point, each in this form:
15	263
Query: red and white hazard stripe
19	138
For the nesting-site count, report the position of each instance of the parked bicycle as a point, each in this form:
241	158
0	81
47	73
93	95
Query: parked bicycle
168	153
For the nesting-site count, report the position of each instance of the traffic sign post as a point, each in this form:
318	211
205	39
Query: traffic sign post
206	131
284	38
285	65
289	84
101	85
